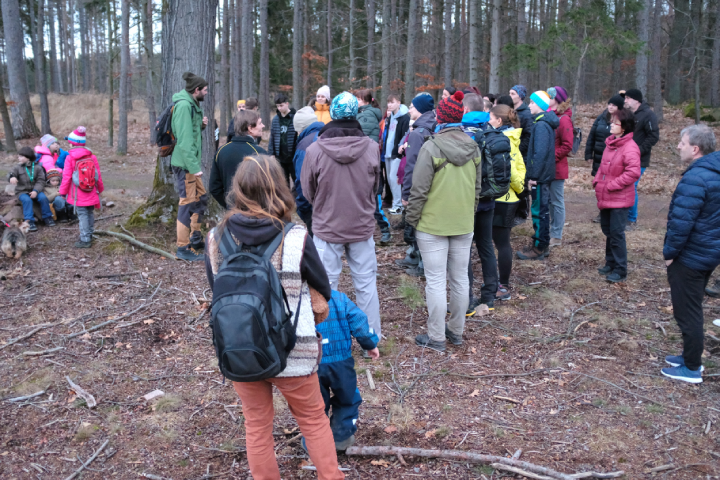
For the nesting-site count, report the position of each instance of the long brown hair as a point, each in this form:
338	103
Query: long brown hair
259	190
366	95
506	114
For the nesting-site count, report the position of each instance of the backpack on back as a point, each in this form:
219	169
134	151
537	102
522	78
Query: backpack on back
164	137
85	176
252	325
577	139
496	161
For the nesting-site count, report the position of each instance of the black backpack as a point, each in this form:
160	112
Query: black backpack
495	150
252	325
164	138
577	139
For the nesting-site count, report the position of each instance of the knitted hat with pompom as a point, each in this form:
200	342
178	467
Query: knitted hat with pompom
77	137
450	110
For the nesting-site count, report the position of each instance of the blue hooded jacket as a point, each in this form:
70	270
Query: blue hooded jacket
344	322
540	160
306	138
693	228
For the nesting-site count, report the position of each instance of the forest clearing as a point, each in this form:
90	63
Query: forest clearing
566	372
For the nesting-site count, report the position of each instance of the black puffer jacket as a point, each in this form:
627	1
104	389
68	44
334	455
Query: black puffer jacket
595	145
647	132
226	162
526	122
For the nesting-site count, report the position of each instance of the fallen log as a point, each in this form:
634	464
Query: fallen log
137	243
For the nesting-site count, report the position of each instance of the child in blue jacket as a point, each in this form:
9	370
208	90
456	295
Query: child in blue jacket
337	369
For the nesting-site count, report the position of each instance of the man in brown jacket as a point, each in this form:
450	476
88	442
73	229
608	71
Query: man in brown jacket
339	178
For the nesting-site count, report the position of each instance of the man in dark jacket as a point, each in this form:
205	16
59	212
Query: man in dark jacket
306	123
692	246
249	104
282	136
397	123
518	94
339	178
646	135
540	164
248	125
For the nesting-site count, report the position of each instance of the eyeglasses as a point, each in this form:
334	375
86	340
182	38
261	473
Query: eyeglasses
616	123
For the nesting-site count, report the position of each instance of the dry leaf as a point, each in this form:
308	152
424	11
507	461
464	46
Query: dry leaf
391	429
86	336
641	304
148	321
473	350
289	431
521	297
475	393
430	433
668	309
554	412
381	463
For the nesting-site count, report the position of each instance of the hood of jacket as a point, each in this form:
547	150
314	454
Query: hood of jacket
401	111
371	109
456	146
548	117
184	95
426	120
43	150
513	134
345	127
613	143
564	113
79	152
474	119
252	231
344	150
311	129
711	162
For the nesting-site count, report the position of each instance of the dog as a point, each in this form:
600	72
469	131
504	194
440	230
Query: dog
14	242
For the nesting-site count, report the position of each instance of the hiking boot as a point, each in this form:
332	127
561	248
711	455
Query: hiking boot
452	338
197	243
605	270
81	244
188	253
408	261
423	340
417	271
472	307
386	236
683	373
345	444
678	361
490	304
714	290
630	226
555	242
615	278
503	292
596	219
32	227
49	222
534	254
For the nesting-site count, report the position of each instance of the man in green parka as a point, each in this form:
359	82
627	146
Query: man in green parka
187	126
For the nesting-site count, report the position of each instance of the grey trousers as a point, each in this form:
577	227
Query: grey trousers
445	258
86	218
557	208
363	268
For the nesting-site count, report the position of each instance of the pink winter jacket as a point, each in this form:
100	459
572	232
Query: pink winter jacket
75	196
619	170
47	161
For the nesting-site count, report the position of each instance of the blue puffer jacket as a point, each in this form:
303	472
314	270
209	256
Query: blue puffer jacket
693	228
344	321
540	160
307	137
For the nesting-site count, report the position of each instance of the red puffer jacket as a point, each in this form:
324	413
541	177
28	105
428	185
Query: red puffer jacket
619	170
563	144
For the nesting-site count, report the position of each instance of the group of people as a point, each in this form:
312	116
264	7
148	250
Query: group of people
332	160
53	184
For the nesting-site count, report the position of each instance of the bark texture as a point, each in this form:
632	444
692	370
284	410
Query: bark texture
124	70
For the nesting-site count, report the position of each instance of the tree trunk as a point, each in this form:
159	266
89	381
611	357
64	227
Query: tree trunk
386	25
298	94
715	72
23	121
351	46
521	40
224	70
655	94
329	45
54	70
410	55
147	11
124	66
678	34
72	64
370	44
40	74
447	58
7	125
264	64
111	83
247	48
641	59
474	60
62	31
236	57
188	45
84	50
494	82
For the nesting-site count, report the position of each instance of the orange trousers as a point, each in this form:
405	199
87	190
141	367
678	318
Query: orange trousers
307	406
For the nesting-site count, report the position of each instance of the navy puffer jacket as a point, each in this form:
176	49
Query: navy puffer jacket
540	161
693	228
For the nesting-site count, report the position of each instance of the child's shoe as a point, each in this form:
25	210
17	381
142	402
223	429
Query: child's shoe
49	222
81	244
345	444
32	227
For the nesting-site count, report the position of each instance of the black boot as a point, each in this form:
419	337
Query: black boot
386	236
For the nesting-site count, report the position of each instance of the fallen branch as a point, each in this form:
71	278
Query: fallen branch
617	474
624	390
27	335
153	477
137	243
89	399
508	468
99	219
26	397
43	352
90	460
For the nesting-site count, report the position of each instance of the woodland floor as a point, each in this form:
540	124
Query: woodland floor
580	360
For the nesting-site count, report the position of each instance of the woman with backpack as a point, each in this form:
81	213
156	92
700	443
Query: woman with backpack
259	220
82	185
505	119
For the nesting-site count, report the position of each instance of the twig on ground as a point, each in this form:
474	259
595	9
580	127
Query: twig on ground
27	335
43	352
26	397
108	217
237	450
153	477
137	243
624	390
570	331
113	275
617	474
508	468
517	454
90	460
89	399
371	382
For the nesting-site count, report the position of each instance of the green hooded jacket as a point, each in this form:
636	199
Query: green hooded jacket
187	129
445	185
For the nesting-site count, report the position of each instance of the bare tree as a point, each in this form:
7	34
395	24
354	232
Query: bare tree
247	48
84	48
655	74
236	57
224	69
494	83
386	26
111	83
371	44
329	44
351	45
474	60
641	59
23	121
447	57
521	40
54	67
147	21
38	44
678	36
5	115
410	55
298	93
715	75
264	64
124	66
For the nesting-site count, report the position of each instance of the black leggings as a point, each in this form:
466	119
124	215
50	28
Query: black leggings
501	239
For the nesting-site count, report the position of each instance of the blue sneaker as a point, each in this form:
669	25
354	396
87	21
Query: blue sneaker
304	447
678	361
683	373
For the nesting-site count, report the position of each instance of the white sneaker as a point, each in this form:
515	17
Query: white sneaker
716	322
395	211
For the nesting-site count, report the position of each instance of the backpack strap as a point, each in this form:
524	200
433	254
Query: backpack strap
441	166
269	249
227	244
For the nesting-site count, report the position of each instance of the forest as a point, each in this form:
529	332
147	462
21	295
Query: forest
669	49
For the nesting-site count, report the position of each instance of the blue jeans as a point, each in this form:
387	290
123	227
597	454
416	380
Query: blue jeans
340	379
27	206
633	212
58	203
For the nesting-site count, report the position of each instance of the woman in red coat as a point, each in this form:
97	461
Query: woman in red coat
615	190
